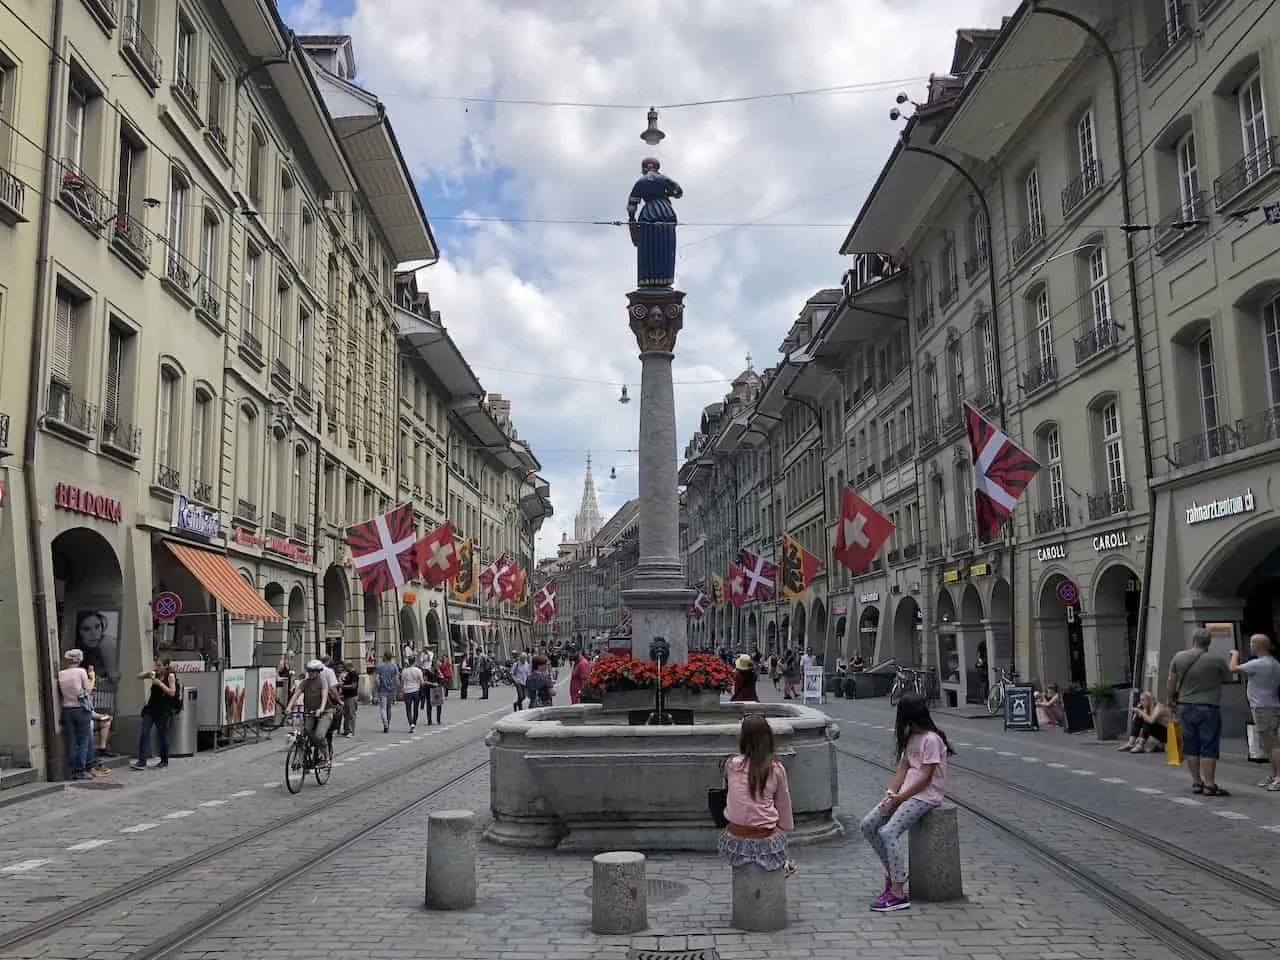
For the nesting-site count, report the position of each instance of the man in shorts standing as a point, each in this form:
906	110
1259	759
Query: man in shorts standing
1263	692
1196	677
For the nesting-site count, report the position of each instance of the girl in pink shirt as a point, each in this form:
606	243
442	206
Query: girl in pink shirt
918	785
758	806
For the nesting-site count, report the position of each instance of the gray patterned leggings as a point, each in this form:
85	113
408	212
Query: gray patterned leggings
888	835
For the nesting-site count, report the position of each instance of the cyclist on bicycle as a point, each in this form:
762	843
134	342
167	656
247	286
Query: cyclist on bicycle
314	694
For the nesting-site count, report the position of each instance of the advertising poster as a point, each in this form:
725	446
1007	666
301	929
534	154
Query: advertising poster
813	684
232	702
266	693
97	634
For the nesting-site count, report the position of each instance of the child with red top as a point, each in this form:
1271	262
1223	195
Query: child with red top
758	806
918	785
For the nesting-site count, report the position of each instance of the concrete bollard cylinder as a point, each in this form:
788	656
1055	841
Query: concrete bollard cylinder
933	851
451	860
619	895
759	899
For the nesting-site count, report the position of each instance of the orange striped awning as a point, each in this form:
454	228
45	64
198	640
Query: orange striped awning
219	578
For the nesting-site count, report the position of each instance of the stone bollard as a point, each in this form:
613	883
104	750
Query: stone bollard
451	860
759	899
619	895
933	850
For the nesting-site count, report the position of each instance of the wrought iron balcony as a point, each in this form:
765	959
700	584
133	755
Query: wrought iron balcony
246	510
186	90
277	524
1110	502
207	301
888	463
167	477
4	431
928	436
141	51
1028	238
178	270
133	238
1081	188
1251	168
300	532
924	317
985	398
303	396
217	136
84	198
1051	518
1250	431
961	543
1101	336
280	372
1173	29
125	438
948	292
906	452
1187	219
13	193
911	551
106	12
202	490
953	419
933	552
251	348
65	409
1041	375
895	555
976	264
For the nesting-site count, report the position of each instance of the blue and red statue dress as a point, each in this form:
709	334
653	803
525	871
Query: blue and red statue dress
653	229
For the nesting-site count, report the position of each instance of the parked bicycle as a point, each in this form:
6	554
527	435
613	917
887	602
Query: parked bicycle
906	681
996	697
304	757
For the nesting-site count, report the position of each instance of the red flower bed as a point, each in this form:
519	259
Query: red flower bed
701	672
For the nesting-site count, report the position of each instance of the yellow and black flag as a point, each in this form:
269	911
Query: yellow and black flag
799	567
464	584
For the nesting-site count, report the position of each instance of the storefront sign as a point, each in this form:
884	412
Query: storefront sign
194	519
288	549
245	537
980	570
1217	509
1115	540
868	598
187	666
950	576
1056	551
839	611
76	500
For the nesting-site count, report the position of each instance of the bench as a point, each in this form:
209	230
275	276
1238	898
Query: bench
933	851
759	899
619	893
451	860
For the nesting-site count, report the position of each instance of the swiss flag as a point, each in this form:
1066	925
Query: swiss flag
735	585
545	603
438	555
860	532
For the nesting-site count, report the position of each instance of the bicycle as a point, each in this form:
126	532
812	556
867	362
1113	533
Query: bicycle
906	681
996	696
303	757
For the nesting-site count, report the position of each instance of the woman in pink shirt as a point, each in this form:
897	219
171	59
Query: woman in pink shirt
758	806
917	787
77	713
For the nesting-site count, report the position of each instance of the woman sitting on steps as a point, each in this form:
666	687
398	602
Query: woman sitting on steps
1148	728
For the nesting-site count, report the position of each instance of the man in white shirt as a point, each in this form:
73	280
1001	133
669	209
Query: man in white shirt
806	661
335	698
411	688
520	671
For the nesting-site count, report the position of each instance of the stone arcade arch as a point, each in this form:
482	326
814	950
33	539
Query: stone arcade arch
974	660
89	587
276	636
799	619
370	628
867	640
818	628
771	637
944	632
906	620
1117	592
1000	617
435	634
841	641
337	601
1060	640
753	632
298	639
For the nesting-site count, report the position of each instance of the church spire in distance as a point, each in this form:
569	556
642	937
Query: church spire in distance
587	523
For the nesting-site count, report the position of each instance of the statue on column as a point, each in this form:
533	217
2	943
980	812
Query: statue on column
653	227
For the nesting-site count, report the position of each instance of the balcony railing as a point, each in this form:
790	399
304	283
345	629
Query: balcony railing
1251	168
985	398
186	90
976	264
4	431
953	419
13	192
888	463
1257	428
1171	32
123	437
934	552
167	477
906	452
1041	375
106	12
1101	336
139	48
277	523
134	238
911	551
1110	502
202	490
895	555
961	543
246	510
928	436
1187	219
178	270
83	197
303	396
948	292
217	135
924	317
251	348
300	532
280	371
1081	188
207	301
1028	238
66	409
1051	519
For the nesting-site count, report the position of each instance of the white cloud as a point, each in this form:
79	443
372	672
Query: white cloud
550	298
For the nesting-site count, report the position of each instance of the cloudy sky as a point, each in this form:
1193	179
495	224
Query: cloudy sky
538	304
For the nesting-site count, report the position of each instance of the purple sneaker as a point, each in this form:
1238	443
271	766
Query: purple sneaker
889	902
888	885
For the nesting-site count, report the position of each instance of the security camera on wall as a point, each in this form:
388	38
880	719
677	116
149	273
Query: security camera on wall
895	114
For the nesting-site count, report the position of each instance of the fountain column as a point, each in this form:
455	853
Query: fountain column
658	598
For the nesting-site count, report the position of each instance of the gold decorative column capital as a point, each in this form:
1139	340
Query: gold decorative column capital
657	317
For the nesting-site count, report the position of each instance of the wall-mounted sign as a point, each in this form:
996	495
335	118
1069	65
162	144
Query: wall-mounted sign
1055	551
1068	592
839	611
1115	540
76	500
868	598
1217	509
244	536
950	576
287	549
166	606
192	518
980	570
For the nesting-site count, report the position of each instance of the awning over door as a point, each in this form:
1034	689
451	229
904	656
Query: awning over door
217	576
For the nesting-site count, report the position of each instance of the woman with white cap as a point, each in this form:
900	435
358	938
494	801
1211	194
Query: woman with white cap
744	680
77	711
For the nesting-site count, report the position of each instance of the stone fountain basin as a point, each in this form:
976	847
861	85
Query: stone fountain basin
576	778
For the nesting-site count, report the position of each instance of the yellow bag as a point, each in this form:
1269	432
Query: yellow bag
1173	745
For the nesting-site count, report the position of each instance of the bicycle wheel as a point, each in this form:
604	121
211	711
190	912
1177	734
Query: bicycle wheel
995	699
295	771
323	766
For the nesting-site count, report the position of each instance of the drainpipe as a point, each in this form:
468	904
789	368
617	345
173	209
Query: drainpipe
826	508
1135	318
315	540
47	654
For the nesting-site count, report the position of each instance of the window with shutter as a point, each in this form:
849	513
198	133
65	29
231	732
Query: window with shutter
115	371
64	340
164	420
199	424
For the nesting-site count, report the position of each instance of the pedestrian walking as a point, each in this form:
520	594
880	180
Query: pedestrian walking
744	681
484	670
758	802
410	687
388	680
162	689
350	698
445	669
77	710
918	786
578	677
540	686
520	676
464	675
1263	693
433	694
1196	677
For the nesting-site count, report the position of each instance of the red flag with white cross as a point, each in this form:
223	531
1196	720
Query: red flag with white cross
860	532
545	603
498	579
735	585
382	550
1001	472
760	574
438	555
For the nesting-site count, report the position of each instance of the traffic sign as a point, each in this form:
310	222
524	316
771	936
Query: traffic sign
166	606
1068	592
1271	211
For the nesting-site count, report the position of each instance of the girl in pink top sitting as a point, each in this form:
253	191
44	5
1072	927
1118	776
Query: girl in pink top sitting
758	806
918	785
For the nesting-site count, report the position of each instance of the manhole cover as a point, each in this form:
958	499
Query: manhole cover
708	954
97	785
661	891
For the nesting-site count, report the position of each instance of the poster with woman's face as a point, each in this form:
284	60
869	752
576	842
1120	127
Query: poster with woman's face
97	634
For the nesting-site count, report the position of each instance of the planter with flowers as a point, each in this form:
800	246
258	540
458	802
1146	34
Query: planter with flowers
626	684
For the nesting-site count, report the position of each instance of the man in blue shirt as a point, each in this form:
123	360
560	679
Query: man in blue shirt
388	678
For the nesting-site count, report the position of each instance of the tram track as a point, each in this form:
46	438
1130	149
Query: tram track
1160	925
82	911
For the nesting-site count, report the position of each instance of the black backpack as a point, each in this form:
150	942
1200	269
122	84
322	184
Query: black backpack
177	696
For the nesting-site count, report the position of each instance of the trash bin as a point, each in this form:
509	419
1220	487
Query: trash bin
182	738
